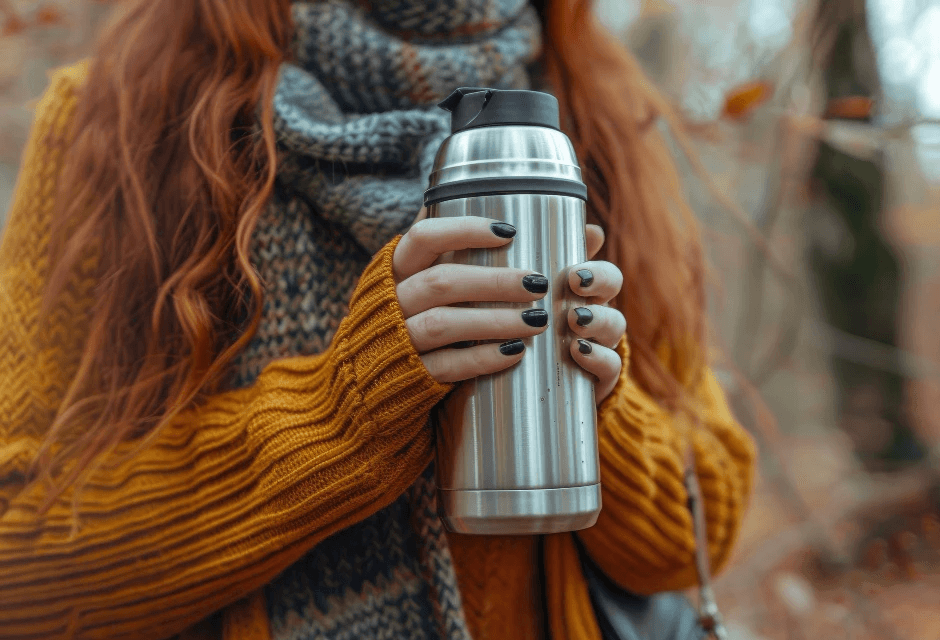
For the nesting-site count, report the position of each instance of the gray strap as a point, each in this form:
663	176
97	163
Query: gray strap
709	615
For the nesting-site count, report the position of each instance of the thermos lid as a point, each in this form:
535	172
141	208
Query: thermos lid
503	143
472	107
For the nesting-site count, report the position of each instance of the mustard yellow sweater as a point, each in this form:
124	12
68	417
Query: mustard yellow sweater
234	492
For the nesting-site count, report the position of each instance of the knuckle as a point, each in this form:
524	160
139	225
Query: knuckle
478	362
454	365
509	322
448	370
459	366
421	233
505	286
433	323
438	281
439	366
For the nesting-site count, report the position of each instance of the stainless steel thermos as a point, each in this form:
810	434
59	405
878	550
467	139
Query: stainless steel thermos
517	451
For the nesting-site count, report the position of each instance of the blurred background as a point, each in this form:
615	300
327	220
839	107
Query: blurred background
811	153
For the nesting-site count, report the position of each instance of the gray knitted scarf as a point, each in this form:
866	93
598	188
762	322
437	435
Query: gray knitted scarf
357	133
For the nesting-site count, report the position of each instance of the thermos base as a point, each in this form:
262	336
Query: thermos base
520	511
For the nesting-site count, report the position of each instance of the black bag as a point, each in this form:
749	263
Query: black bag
622	615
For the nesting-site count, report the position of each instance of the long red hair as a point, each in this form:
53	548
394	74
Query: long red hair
169	170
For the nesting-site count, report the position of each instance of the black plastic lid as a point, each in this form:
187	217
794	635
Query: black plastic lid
472	107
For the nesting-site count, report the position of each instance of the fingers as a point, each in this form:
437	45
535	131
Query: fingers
422	214
603	325
442	326
594	236
600	361
598	281
445	284
454	365
427	239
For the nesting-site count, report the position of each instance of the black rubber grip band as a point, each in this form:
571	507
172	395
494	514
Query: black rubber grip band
504	186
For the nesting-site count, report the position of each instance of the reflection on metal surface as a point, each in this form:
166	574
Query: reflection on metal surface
510	167
508	512
529	427
519	151
517	449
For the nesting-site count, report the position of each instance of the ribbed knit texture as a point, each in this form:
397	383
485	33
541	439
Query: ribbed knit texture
499	585
231	495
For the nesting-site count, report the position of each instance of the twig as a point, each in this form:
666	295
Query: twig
754	271
769	442
873	354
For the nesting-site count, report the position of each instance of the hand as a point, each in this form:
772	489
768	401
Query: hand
598	326
426	289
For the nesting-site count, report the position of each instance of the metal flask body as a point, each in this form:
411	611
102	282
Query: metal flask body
517	450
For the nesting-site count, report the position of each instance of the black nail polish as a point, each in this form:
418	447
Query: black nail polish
584	347
511	348
535	284
587	278
535	317
584	316
503	230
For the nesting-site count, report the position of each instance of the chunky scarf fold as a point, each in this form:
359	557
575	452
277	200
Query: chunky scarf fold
357	131
356	114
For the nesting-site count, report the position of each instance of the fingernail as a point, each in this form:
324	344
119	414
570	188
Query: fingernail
512	347
587	278
584	316
535	284
584	347
503	230
535	317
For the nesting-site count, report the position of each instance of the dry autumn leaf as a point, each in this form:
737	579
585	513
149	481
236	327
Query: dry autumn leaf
849	108
12	26
741	101
48	15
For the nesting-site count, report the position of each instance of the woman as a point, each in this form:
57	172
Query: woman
219	357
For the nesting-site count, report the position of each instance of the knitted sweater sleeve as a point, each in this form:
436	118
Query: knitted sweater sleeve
225	497
643	537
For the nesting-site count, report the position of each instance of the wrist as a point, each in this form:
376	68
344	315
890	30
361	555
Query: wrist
373	342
